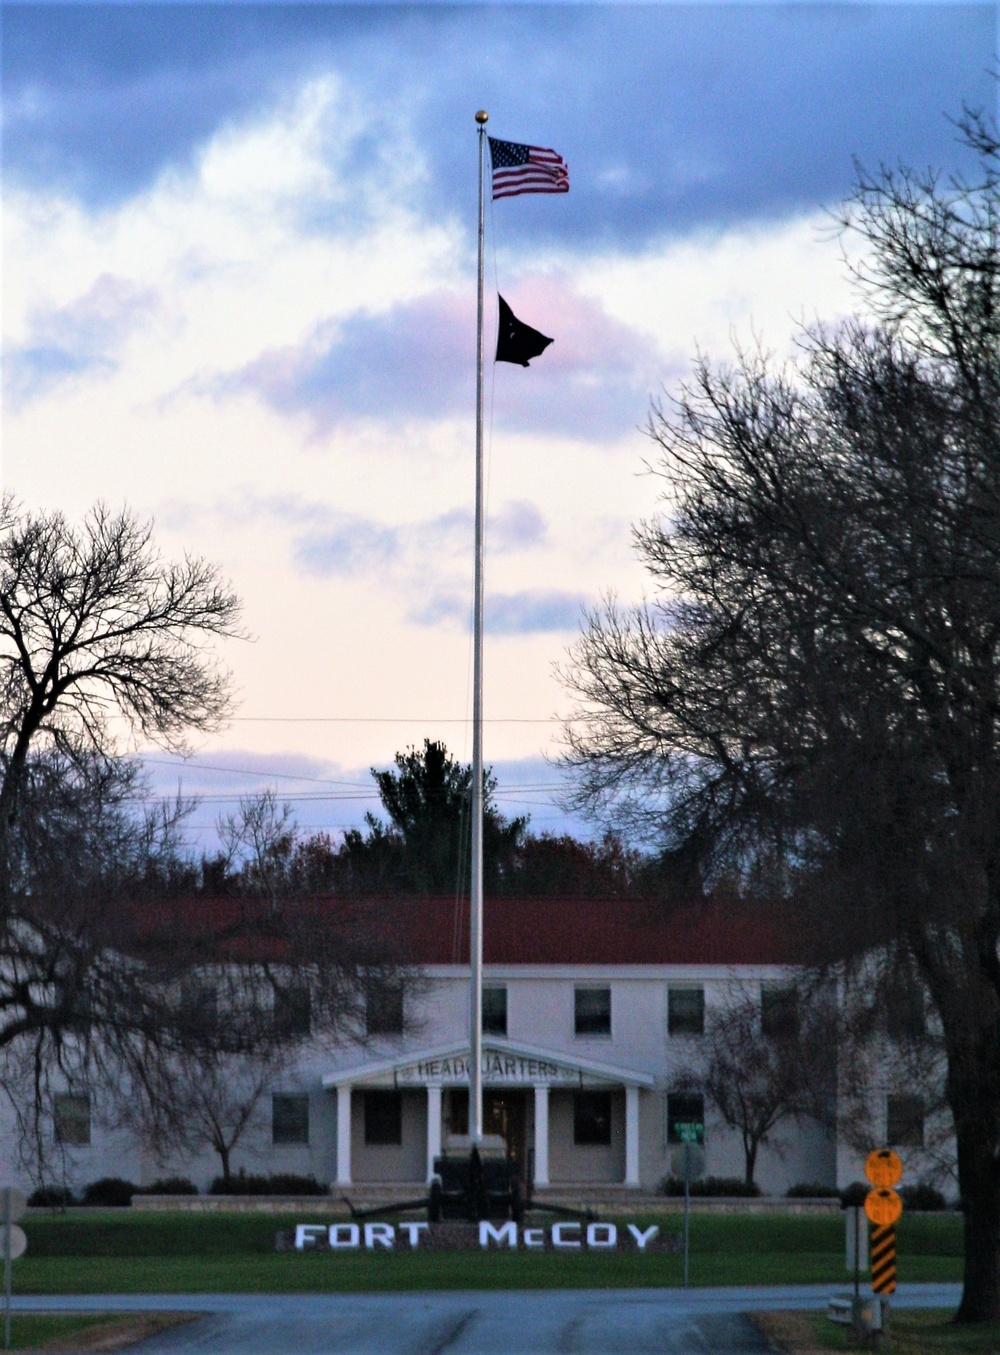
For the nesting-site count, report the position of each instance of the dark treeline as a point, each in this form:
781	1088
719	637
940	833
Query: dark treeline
423	847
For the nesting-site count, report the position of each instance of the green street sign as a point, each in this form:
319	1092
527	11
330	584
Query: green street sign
689	1131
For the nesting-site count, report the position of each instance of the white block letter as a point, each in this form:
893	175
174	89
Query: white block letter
380	1235
412	1231
308	1235
344	1236
534	1237
506	1233
602	1235
559	1238
642	1238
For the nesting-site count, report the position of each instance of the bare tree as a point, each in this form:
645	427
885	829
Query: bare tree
815	696
763	1070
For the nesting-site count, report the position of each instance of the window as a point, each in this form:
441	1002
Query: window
384	1008
592	1118
905	1014
383	1118
291	1011
71	1118
199	1003
779	1011
494	1011
592	1011
686	1011
904	1121
289	1119
684	1108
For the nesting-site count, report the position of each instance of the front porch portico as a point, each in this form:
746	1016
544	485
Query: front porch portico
506	1066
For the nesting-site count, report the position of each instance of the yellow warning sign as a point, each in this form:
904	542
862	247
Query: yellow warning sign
883	1167
883	1207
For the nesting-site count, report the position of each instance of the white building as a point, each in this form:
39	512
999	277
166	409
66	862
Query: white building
593	1010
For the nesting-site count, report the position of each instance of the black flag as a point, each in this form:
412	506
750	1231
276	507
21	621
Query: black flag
516	341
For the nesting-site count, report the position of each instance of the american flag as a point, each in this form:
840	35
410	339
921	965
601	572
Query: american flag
526	169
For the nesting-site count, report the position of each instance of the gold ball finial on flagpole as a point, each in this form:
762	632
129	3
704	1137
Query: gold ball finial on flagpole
482	116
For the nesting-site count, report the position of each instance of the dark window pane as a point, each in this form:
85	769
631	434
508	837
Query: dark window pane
383	1118
593	1011
686	1011
592	1117
71	1118
684	1108
779	1011
494	1011
904	1121
458	1110
291	1012
384	1008
905	1013
289	1119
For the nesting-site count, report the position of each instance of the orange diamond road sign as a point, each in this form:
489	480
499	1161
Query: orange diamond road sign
883	1206
883	1167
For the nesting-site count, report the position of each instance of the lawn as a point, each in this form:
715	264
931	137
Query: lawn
125	1251
913	1333
31	1330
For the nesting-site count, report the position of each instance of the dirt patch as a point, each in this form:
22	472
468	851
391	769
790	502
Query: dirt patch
790	1332
116	1334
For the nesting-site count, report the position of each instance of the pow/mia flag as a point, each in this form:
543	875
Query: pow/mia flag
516	341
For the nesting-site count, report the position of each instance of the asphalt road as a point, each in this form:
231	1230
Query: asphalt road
522	1322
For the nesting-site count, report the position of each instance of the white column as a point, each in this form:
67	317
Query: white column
433	1128
344	1134
541	1136
631	1136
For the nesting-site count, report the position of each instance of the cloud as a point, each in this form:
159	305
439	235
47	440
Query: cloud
524	613
706	112
415	361
84	336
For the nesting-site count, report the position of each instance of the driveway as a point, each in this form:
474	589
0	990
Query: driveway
518	1322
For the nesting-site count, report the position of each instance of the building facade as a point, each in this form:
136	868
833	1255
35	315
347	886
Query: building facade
594	1020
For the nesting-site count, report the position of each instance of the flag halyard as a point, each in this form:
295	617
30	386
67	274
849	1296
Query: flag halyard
521	169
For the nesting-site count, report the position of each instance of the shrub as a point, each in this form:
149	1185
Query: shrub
281	1183
51	1197
169	1185
810	1190
922	1196
711	1185
854	1194
110	1191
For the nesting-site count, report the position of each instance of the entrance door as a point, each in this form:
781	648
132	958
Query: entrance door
504	1114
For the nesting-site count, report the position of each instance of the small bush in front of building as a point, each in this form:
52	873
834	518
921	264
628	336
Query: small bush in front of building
51	1197
854	1195
922	1196
711	1185
810	1190
280	1183
169	1185
110	1192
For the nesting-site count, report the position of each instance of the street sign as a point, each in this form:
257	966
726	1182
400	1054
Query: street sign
689	1131
883	1167
18	1241
883	1206
884	1260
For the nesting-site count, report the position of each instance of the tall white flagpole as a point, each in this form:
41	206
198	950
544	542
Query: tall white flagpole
476	873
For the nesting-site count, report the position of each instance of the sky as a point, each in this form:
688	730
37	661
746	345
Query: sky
239	296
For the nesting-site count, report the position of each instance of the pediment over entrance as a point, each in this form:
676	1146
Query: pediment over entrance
505	1064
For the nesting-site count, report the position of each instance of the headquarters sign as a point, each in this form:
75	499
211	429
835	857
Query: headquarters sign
498	1066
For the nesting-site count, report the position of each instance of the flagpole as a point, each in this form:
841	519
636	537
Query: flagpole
476	872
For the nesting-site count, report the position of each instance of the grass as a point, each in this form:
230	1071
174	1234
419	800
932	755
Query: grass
128	1251
912	1333
30	1330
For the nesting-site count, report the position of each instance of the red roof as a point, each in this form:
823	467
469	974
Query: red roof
552	931
415	929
